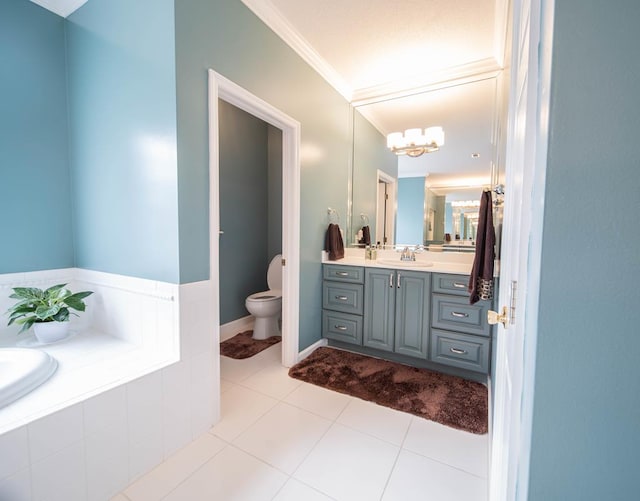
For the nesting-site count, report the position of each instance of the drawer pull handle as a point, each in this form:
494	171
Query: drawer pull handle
340	327
458	285
459	315
398	280
342	273
457	351
391	280
342	298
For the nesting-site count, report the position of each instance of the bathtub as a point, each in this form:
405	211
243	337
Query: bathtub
23	370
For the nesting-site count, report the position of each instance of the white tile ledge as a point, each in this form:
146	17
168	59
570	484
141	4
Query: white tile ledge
130	329
90	363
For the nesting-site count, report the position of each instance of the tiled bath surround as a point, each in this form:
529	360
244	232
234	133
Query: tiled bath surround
124	397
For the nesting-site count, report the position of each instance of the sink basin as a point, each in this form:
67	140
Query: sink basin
396	263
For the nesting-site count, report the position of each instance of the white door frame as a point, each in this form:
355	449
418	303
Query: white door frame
390	222
223	88
522	249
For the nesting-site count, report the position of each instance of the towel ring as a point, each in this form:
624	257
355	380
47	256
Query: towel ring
334	216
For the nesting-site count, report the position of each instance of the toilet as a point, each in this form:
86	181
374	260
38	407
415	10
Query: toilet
266	306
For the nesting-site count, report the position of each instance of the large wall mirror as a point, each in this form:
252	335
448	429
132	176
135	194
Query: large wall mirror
432	199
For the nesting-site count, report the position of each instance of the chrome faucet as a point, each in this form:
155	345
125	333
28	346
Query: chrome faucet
407	255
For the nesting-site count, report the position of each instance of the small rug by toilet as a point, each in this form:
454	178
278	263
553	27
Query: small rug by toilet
244	346
442	398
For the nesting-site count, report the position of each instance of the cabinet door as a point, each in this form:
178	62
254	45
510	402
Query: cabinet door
379	308
413	291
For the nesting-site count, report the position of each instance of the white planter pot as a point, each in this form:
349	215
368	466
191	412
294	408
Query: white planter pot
49	332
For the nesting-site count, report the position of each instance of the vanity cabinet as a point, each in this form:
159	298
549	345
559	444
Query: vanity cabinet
460	334
396	311
404	313
342	303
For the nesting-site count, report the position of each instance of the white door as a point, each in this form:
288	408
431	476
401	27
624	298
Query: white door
386	209
381	216
521	243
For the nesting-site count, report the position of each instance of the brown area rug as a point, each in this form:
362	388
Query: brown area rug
244	346
445	399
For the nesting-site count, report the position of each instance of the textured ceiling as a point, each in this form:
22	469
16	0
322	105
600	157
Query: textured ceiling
374	42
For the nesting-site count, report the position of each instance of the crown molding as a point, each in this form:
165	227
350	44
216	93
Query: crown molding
270	16
476	70
502	31
61	7
467	73
457	75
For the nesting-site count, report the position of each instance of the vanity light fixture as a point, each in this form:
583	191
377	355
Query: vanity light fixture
415	142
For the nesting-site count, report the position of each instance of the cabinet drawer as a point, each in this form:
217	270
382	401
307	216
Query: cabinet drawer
456	314
343	273
460	350
342	297
342	327
451	284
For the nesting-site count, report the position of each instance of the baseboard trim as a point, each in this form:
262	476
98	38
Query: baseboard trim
309	350
230	329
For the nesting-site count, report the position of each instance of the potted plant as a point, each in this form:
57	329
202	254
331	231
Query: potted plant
47	310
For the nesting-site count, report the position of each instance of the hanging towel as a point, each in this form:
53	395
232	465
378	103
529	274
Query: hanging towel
366	235
333	242
481	280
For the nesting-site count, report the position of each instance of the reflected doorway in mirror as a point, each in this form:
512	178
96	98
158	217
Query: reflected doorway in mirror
386	209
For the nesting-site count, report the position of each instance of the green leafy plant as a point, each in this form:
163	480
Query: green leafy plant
50	305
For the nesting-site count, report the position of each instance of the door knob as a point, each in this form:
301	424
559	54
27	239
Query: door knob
493	317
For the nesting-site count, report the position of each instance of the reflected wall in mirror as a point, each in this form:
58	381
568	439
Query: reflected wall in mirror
432	199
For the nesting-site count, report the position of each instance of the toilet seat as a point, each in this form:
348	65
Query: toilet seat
274	274
270	295
266	306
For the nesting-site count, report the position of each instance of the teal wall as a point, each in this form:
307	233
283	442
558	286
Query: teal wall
122	114
250	206
437	203
448	220
410	220
225	36
586	416
35	204
370	154
243	209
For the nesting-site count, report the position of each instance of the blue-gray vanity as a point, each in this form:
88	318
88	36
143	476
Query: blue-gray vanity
421	318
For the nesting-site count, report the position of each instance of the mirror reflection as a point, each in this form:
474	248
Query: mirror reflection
431	199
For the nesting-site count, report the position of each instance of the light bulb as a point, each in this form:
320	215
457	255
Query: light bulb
395	140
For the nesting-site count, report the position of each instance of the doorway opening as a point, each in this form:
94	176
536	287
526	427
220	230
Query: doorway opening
225	90
386	208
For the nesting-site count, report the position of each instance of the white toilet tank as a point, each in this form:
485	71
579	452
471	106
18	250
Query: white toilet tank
274	273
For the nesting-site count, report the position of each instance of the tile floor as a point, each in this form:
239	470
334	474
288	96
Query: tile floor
284	440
